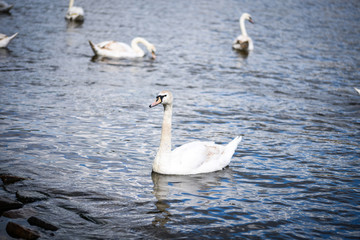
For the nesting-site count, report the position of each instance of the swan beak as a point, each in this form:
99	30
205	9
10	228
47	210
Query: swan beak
250	20
153	55
157	102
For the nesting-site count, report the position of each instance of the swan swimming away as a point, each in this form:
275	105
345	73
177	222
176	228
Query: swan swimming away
5	40
243	42
74	13
5	7
191	158
114	49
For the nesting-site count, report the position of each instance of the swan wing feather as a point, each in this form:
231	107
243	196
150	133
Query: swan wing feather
115	46
243	43
201	157
75	14
113	49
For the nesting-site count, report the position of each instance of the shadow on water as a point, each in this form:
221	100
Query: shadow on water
241	54
5	13
124	62
112	61
72	25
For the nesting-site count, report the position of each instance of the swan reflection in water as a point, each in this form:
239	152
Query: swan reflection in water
72	25
121	61
4	52
242	54
192	191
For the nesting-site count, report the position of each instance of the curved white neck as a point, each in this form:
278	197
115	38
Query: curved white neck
242	26
71	3
135	46
165	141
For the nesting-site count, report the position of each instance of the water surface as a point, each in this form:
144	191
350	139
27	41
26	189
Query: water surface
79	128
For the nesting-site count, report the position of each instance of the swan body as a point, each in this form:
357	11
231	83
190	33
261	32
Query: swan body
5	7
74	13
191	158
243	42
114	49
5	40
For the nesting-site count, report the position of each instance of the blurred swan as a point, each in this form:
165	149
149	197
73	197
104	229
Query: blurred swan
191	158
114	49
74	13
243	42
5	40
357	89
5	7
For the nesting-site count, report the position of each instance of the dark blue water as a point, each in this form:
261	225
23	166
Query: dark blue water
80	130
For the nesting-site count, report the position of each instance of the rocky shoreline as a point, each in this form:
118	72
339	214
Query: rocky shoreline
17	218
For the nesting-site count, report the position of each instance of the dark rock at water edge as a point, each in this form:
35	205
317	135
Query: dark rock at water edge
42	224
23	213
17	231
8	204
29	197
8	179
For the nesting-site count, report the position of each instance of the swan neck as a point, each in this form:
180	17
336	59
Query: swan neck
165	141
242	26
135	45
71	3
163	154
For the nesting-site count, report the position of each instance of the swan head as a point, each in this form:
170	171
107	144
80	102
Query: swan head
151	48
247	16
164	98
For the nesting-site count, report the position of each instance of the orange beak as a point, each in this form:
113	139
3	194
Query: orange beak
157	102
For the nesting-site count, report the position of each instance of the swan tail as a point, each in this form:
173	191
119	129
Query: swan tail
358	90
94	48
234	143
5	41
11	37
230	150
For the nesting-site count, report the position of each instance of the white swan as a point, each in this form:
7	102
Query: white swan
5	40
5	7
191	158
114	49
74	13
243	42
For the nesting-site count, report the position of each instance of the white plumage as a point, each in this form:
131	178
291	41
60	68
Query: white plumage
114	49
191	158
74	13
5	40
243	42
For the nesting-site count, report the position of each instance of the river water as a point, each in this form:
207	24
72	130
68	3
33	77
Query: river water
80	130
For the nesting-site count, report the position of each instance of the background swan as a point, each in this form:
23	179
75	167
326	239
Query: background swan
5	40
243	42
5	7
357	89
114	49
74	13
191	158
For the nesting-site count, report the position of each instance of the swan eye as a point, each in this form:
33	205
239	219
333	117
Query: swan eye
161	97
